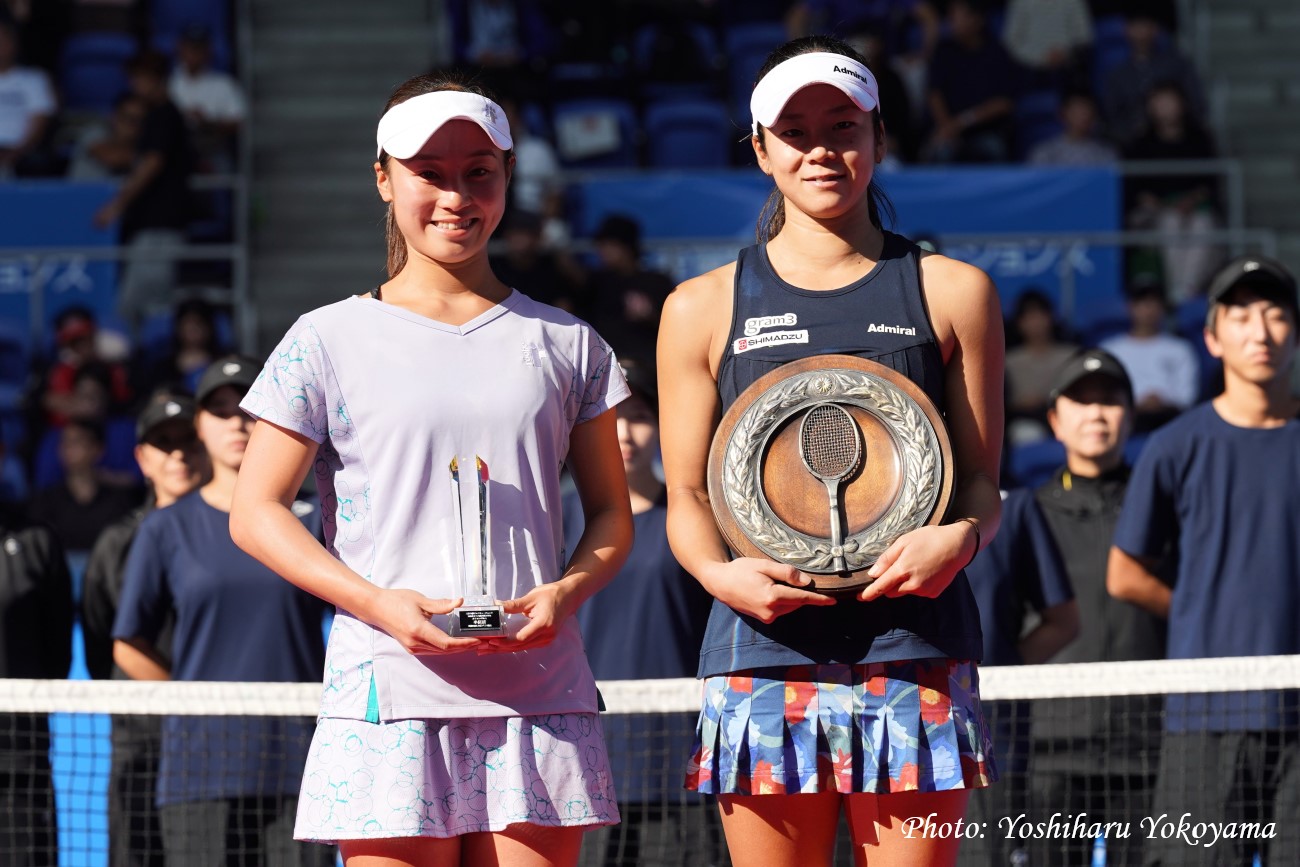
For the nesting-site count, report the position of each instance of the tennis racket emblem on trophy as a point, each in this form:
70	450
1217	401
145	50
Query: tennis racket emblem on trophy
823	462
479	615
831	448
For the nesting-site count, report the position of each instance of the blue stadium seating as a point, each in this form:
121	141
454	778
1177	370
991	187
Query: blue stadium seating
689	86
14	365
1037	119
688	134
1033	463
92	69
746	47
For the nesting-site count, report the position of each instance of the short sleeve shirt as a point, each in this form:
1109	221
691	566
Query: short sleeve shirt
1019	571
392	397
1225	499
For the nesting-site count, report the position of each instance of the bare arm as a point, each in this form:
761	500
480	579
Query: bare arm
137	658
1134	580
275	464
689	410
597	466
967	318
1057	628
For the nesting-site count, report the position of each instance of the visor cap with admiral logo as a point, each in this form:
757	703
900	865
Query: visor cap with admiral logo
1090	362
236	370
789	77
404	128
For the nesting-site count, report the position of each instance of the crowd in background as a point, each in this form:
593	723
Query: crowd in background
1059	84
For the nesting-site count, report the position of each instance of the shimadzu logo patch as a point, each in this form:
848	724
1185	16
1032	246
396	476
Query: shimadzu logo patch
744	344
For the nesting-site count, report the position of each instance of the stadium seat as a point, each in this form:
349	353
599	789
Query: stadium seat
746	47
1109	48
92	69
684	134
14	365
119	453
1032	464
1037	119
596	133
690	79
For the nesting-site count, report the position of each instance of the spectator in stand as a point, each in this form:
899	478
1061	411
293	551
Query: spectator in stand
1017	580
76	334
1037	350
27	110
1216	492
109	150
528	266
173	463
1079	755
153	202
1079	143
227	788
1163	366
195	344
972	89
625	297
652	602
535	184
35	642
1179	207
895	101
212	101
80	506
1153	59
1050	38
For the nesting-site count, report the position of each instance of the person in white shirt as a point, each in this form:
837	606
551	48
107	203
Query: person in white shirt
212	101
27	108
1164	367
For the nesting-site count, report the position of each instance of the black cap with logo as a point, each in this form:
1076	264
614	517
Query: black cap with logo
1090	362
1257	272
236	370
160	410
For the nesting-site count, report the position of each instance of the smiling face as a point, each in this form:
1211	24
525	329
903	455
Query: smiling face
447	199
821	152
172	459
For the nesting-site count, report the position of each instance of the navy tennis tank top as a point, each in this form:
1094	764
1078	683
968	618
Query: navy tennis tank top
881	317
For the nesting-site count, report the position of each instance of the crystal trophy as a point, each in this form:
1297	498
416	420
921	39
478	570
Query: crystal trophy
479	616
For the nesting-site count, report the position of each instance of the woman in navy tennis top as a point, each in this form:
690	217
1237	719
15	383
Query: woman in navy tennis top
813	705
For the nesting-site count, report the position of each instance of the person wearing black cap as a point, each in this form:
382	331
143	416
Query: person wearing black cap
173	464
1091	414
651	603
221	779
1217	491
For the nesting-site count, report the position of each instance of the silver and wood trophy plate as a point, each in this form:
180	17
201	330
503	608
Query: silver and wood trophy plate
824	462
479	616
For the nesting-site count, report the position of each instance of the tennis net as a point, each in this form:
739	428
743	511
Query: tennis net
1167	762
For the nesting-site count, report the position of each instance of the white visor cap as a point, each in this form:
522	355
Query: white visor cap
791	76
405	127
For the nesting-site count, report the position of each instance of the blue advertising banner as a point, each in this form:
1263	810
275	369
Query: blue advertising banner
698	207
53	214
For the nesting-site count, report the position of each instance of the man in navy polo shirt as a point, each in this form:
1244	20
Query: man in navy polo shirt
1221	486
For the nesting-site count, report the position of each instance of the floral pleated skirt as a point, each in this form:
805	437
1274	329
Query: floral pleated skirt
880	727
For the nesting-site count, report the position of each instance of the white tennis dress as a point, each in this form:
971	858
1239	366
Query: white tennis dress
442	745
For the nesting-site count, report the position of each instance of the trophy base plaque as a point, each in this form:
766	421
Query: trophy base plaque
478	618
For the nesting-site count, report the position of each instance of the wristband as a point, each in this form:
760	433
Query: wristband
976	527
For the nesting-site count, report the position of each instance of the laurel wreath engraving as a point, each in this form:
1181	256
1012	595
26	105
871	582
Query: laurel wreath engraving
913	434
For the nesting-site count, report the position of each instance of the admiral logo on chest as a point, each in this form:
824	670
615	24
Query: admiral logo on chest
881	328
